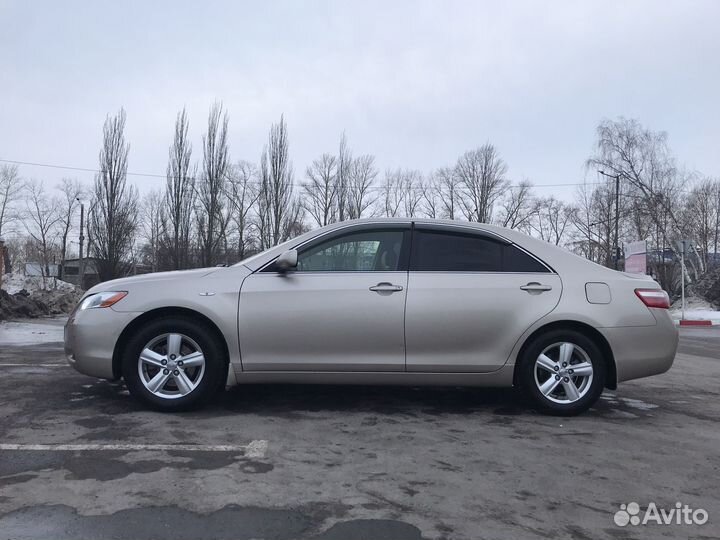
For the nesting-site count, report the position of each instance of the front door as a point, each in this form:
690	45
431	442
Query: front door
342	309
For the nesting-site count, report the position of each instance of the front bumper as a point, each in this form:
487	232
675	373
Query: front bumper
90	339
642	351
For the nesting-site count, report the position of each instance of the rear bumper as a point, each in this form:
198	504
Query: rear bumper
90	338
642	351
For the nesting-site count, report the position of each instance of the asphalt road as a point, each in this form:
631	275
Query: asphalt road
352	463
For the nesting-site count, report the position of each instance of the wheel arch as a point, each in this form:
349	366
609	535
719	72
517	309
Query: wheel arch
583	328
171	311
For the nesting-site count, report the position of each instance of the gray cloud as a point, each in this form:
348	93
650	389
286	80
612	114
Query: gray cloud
415	83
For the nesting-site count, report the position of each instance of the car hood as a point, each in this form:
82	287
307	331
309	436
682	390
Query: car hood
127	282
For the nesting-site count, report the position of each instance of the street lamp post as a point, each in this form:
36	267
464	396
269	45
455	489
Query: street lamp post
617	213
81	265
2	259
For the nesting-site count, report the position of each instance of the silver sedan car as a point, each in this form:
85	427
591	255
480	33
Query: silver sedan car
380	301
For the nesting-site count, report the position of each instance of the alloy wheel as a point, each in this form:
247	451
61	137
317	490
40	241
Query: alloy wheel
171	365
563	372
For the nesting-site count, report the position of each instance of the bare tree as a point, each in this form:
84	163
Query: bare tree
242	194
552	219
482	174
359	189
593	223
650	179
152	224
211	185
113	211
343	168
413	186
278	212
447	185
392	193
516	208
179	195
701	216
42	218
10	189
69	202
321	190
432	198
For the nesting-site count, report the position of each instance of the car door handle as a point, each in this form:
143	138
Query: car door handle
386	287
535	286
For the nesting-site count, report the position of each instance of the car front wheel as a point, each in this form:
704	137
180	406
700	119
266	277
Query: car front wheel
173	364
563	372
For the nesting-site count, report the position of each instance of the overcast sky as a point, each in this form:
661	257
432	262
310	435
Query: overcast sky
414	83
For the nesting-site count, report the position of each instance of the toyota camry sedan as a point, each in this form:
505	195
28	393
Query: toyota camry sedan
406	302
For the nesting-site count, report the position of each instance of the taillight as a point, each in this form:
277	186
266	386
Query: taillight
655	298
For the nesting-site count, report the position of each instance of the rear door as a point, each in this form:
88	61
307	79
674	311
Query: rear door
471	296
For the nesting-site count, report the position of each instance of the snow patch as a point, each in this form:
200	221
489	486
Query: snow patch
695	310
14	283
638	404
31	333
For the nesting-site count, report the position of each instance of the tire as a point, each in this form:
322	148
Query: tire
186	364
539	376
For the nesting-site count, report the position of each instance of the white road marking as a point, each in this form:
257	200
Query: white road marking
33	365
255	449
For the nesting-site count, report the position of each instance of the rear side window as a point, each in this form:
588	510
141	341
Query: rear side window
439	251
516	260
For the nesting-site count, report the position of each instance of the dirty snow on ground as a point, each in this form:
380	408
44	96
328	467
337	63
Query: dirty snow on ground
32	332
696	309
14	283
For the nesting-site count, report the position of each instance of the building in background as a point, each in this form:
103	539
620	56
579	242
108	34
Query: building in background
36	269
636	257
90	277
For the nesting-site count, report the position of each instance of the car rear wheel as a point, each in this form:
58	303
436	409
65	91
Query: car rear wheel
563	371
174	364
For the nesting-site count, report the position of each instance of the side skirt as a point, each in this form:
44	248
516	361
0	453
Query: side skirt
502	377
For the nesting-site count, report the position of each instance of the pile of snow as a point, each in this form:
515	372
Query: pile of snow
696	309
14	283
23	297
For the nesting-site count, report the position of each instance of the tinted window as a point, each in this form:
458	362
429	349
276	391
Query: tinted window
363	251
436	251
516	260
451	252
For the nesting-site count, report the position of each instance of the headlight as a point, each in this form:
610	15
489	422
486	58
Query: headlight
103	299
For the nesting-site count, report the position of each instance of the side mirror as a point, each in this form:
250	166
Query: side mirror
287	261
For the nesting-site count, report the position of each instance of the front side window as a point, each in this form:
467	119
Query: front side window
362	251
446	251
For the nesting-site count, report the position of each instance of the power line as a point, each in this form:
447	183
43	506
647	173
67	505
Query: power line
151	175
69	168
